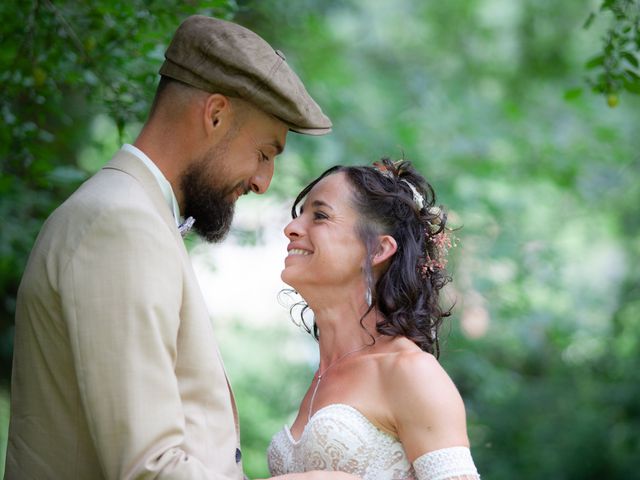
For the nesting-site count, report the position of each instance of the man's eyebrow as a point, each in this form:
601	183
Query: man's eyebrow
277	145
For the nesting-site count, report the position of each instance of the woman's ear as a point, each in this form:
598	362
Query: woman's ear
387	246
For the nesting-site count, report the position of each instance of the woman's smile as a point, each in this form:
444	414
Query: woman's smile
298	251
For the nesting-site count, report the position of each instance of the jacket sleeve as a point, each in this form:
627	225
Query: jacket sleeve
121	298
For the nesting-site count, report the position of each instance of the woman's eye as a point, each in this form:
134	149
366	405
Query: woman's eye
264	157
319	216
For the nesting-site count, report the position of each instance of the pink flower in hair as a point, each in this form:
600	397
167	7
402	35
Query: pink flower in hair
442	242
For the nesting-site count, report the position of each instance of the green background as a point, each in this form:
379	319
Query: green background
491	99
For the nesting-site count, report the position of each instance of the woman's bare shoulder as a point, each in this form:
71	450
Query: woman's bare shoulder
425	406
415	379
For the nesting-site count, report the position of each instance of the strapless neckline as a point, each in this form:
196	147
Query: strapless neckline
323	411
338	437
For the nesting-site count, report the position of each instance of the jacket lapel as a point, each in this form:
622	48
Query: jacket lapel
133	166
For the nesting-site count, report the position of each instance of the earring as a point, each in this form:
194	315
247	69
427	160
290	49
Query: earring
368	297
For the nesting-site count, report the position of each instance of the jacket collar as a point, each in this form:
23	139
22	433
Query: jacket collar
128	163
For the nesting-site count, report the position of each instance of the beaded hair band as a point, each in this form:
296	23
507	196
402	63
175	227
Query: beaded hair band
441	240
418	198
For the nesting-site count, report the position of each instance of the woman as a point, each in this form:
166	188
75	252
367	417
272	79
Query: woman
367	253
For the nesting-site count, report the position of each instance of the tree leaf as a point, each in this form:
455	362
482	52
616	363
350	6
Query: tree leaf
594	62
631	58
589	20
573	93
632	87
632	74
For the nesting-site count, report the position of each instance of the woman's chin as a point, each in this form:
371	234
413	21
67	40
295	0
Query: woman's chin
287	277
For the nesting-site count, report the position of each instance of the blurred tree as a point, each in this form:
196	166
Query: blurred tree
545	342
61	64
269	371
545	334
617	66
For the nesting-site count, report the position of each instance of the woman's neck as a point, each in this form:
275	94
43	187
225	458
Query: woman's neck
341	331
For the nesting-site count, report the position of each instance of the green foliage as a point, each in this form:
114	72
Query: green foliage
270	369
545	188
61	64
617	66
545	341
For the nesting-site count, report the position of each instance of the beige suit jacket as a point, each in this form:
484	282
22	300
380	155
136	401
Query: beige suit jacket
116	369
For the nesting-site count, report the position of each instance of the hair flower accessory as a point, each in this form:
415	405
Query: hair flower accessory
418	199
390	170
384	170
441	242
437	215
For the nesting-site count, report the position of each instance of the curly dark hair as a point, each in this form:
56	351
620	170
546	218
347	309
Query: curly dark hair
392	198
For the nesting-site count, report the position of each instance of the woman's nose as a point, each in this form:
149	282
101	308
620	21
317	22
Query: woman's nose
293	229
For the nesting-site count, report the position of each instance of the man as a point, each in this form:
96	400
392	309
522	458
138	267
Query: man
116	369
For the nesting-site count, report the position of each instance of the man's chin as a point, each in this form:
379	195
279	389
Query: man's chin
212	236
212	208
217	231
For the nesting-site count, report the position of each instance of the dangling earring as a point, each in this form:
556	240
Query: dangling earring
367	297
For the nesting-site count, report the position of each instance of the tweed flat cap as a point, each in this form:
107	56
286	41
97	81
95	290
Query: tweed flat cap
222	57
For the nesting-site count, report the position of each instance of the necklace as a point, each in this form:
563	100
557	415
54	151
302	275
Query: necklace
336	361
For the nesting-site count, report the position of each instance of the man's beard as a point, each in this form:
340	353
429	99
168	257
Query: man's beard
208	202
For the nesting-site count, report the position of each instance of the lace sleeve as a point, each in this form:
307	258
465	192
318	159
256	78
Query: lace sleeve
453	463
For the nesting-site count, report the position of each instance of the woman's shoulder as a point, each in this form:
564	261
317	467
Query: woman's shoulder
424	404
412	376
405	360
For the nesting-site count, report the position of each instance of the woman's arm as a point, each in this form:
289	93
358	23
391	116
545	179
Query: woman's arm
430	418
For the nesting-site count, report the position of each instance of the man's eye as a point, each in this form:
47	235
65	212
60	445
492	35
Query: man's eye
264	157
319	216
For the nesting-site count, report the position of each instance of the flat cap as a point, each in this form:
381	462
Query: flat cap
223	57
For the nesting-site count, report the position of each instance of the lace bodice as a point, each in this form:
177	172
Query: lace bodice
339	437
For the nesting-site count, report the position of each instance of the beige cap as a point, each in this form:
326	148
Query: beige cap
223	57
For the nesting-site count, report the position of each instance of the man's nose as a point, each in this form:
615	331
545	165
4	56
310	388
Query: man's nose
262	179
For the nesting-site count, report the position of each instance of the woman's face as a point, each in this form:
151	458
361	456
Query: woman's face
324	249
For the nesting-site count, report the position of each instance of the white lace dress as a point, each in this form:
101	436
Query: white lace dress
339	437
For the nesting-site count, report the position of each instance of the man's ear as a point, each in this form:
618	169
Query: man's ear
216	113
387	246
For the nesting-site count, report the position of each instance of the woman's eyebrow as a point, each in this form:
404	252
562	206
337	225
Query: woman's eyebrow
320	203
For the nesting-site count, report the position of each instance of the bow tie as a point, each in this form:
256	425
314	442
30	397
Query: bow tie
186	226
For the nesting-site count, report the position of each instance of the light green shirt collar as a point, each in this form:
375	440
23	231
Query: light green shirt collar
164	184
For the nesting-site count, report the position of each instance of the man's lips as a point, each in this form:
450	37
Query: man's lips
240	191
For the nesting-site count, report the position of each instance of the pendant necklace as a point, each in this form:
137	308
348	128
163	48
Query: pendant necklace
321	375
